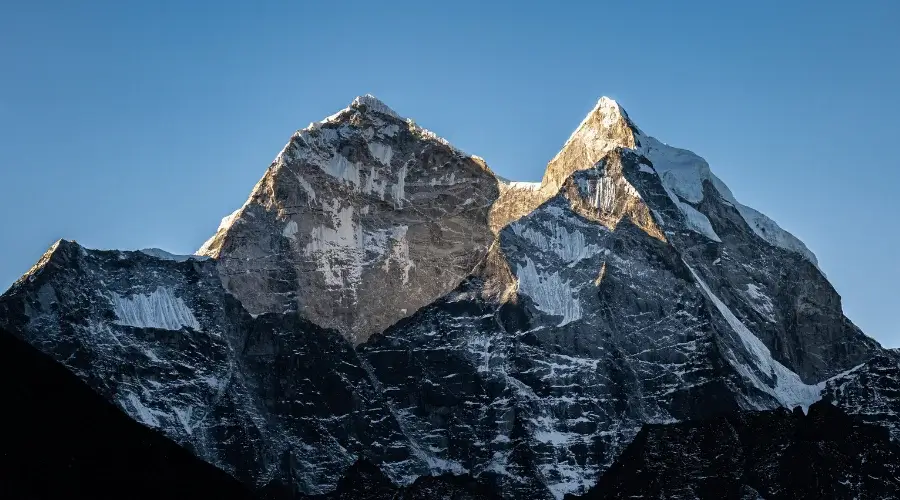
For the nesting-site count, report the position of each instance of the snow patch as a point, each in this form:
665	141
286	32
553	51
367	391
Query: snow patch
160	309
307	188
550	294
399	253
372	103
184	418
604	191
445	180
398	190
761	302
646	169
140	412
373	184
528	186
342	248
336	248
770	231
554	437
381	152
290	230
570	247
339	167
698	222
164	255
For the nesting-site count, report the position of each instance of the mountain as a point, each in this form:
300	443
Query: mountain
384	296
775	455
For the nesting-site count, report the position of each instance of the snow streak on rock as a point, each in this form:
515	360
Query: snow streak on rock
786	387
550	293
159	309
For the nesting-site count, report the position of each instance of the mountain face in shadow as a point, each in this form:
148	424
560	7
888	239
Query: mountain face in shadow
60	439
773	455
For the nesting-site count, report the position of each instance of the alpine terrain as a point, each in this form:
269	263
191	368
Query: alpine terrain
385	311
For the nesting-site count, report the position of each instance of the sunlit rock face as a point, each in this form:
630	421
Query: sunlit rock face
362	219
605	128
382	295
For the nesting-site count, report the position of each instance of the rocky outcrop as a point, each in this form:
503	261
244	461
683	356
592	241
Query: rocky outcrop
516	199
870	391
355	205
383	296
775	454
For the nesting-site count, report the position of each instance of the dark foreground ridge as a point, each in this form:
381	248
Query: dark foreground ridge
365	481
773	455
60	439
63	440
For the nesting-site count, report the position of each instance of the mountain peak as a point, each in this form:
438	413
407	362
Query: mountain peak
605	128
608	114
608	106
354	203
372	103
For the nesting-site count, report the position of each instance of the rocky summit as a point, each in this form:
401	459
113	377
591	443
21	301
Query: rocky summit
361	220
383	306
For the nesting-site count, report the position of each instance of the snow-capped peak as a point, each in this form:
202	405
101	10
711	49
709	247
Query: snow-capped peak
375	104
682	173
610	110
600	121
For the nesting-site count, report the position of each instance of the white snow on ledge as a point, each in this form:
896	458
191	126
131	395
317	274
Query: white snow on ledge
682	173
375	104
529	186
160	309
164	255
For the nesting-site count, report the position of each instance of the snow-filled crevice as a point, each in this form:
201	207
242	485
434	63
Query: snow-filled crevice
788	388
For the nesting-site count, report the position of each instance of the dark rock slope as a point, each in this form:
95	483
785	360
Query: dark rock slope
773	455
384	296
60	439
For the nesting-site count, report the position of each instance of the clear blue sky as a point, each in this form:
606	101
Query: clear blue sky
129	126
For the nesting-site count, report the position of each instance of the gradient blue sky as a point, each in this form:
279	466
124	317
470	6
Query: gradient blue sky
138	124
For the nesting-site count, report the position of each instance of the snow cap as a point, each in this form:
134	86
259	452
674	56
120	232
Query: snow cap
372	103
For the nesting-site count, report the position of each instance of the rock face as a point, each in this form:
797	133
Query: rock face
357	204
775	454
870	391
383	296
